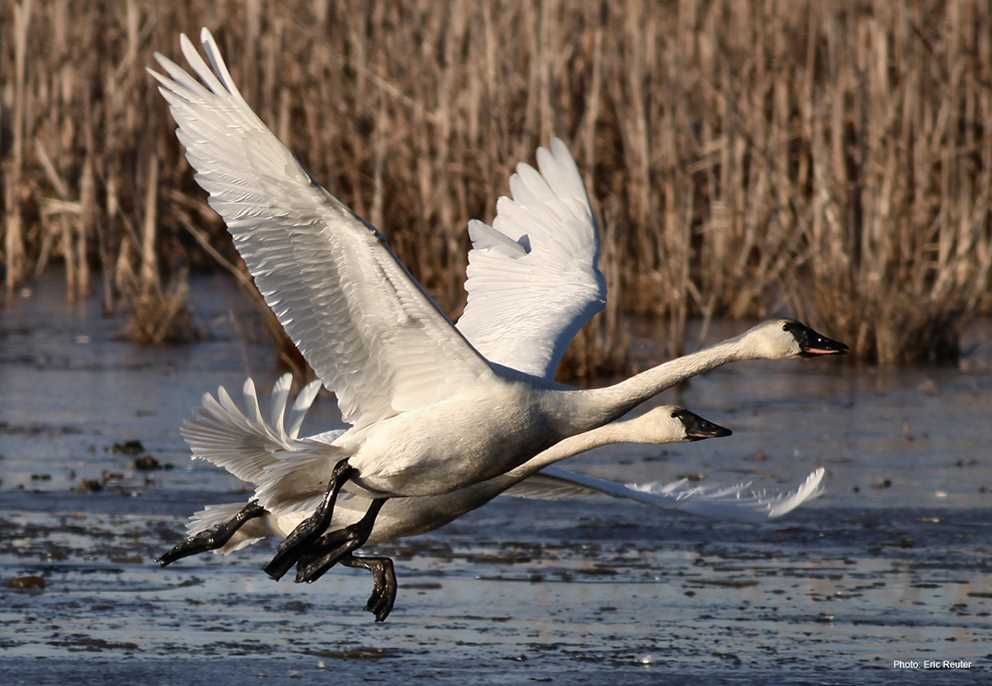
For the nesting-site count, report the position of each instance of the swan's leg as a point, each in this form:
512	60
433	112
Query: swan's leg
333	546
383	583
300	538
213	538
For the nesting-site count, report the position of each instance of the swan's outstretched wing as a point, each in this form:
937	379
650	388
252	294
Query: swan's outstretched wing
736	502
533	276
369	331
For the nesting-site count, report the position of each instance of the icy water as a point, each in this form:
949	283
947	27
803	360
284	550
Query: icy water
892	563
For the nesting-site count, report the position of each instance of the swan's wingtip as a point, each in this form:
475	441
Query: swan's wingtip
814	481
809	490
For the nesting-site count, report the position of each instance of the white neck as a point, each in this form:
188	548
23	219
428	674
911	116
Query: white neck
614	432
600	405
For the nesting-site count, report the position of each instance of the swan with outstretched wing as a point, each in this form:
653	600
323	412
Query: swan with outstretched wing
428	413
242	442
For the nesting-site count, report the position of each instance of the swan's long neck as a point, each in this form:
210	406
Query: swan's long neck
614	432
601	405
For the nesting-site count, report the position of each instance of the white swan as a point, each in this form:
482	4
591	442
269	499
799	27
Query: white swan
297	484
429	413
221	432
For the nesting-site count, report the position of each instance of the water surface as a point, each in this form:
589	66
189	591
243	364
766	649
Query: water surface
892	563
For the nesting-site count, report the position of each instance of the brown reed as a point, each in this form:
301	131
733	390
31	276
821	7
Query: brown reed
828	158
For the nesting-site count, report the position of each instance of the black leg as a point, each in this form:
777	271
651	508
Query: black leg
307	532
333	546
213	538
383	583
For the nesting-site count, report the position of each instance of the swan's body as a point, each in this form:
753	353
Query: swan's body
219	424
429	413
297	484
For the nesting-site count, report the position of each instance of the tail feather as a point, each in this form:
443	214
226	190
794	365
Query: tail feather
251	401
299	410
296	481
242	442
279	398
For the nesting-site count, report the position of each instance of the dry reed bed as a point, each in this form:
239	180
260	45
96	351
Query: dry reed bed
829	158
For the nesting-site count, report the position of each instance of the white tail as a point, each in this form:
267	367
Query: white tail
242	442
297	482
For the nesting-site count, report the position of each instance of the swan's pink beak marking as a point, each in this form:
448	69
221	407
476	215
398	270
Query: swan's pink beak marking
812	343
824	351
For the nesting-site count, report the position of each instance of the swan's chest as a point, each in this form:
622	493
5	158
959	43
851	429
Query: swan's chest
448	445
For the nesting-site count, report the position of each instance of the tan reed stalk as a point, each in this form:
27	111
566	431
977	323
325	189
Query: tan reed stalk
833	163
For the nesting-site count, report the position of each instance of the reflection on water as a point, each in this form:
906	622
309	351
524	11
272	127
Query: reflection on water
892	563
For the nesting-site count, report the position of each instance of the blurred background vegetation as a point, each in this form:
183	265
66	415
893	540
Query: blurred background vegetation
828	159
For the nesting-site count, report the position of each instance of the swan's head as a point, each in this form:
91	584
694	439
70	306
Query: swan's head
780	339
672	424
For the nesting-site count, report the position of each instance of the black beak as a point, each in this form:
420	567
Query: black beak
813	343
697	428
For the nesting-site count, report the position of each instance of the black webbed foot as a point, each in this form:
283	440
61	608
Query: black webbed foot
383	596
311	528
213	538
312	566
384	587
334	546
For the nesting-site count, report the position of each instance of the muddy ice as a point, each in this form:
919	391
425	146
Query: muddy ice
894	562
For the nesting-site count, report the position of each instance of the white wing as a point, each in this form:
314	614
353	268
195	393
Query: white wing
736	502
533	276
369	331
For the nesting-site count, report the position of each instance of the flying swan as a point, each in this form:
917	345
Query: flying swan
221	432
428	412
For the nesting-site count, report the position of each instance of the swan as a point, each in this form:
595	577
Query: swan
221	431
428	412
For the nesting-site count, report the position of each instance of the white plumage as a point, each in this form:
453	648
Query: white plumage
429	414
537	478
367	329
533	276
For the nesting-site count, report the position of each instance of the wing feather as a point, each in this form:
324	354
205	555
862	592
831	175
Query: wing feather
533	276
370	332
736	502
